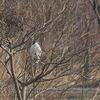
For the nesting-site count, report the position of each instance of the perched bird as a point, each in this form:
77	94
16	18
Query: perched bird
35	52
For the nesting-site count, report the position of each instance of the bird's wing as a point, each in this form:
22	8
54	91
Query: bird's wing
38	50
32	49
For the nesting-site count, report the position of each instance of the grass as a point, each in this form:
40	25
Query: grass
67	95
88	84
85	84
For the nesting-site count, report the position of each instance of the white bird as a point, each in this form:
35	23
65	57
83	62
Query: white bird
35	52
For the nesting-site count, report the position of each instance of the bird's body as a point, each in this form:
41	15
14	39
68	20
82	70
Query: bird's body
35	52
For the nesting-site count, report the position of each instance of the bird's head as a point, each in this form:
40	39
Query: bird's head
34	41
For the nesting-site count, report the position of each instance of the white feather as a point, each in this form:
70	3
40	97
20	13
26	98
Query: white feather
35	51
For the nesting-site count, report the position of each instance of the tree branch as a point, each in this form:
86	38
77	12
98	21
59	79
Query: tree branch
14	78
45	25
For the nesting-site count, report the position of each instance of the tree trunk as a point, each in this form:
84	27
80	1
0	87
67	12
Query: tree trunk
14	78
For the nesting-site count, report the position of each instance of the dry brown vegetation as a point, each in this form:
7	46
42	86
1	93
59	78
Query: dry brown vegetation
68	32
